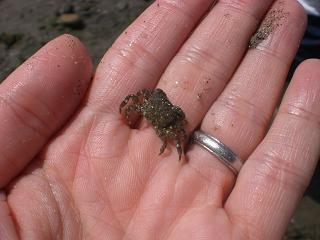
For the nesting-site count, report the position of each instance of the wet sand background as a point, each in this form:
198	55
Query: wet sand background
25	26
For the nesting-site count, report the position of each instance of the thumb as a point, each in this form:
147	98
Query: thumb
37	99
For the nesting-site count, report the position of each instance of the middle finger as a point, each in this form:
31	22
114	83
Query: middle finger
206	62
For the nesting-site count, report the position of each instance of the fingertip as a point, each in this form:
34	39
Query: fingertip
66	52
60	70
67	44
296	13
309	65
56	64
306	76
304	90
300	12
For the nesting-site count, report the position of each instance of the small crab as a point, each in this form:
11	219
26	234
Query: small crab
168	120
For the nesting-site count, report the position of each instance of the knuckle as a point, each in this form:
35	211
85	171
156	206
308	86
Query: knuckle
281	171
26	117
293	110
242	7
245	108
212	66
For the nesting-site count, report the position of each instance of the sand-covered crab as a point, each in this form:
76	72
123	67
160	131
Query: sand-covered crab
168	120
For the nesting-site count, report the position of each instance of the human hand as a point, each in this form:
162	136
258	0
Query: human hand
98	179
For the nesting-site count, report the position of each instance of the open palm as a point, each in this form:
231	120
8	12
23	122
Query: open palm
98	179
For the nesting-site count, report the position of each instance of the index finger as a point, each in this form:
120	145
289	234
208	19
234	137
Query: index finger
140	55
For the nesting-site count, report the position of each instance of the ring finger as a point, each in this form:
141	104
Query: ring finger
242	113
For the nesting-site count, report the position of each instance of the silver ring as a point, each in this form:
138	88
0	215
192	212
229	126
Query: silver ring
218	149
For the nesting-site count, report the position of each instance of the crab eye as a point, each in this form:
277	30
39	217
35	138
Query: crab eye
160	93
179	112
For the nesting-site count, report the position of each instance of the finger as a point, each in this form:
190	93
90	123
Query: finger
206	62
276	175
37	98
7	226
241	114
139	56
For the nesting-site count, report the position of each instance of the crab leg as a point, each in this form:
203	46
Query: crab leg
179	149
134	98
163	147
